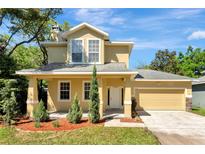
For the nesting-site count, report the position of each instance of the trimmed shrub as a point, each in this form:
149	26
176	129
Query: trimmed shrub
40	113
75	112
19	87
55	124
9	109
94	115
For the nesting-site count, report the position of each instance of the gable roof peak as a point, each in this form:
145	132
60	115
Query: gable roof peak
82	25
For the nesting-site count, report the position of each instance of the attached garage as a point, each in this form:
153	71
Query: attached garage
156	90
160	99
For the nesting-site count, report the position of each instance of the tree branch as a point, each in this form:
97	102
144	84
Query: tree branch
11	36
1	19
34	36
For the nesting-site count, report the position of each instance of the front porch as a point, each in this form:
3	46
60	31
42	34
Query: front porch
114	94
108	114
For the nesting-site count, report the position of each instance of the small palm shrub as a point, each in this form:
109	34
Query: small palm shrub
37	124
75	112
40	114
55	124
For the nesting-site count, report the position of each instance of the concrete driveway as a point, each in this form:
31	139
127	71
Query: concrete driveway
176	127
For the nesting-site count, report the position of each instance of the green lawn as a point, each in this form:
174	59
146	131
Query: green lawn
89	135
200	111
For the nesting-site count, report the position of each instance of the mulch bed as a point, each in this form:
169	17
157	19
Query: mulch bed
131	120
28	125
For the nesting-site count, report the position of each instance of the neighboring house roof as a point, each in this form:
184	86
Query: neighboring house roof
82	25
147	74
61	68
200	80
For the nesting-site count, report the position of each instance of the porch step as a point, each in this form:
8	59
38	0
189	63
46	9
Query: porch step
114	116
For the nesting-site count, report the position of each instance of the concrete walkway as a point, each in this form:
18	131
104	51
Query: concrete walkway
117	123
58	115
176	127
113	120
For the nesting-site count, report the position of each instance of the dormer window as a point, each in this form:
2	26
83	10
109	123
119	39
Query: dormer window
77	51
93	50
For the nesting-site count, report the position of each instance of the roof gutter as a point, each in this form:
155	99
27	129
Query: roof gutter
164	80
53	43
74	73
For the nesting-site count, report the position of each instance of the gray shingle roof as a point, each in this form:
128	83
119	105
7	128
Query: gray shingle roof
61	67
109	67
158	75
200	80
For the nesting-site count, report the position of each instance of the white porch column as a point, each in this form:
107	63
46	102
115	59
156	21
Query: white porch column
32	98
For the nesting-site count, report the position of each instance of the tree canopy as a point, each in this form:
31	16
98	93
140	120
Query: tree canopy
27	57
165	61
28	24
191	63
21	32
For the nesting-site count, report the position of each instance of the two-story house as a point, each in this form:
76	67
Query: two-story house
70	63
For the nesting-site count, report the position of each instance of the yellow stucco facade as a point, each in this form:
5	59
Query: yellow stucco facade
54	104
173	92
108	52
117	54
149	94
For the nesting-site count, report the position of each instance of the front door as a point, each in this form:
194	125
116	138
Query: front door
115	97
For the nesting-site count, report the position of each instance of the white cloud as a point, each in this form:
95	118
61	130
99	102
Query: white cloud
159	21
184	13
197	35
156	44
99	17
93	16
117	21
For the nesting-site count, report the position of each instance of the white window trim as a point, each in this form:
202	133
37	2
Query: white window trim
83	91
71	60
64	100
99	50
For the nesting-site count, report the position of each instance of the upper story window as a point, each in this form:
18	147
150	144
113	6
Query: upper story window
77	51
93	51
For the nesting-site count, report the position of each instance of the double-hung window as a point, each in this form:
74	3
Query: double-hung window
86	91
77	51
93	50
64	90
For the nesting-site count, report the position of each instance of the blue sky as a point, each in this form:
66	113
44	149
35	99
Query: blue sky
150	29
